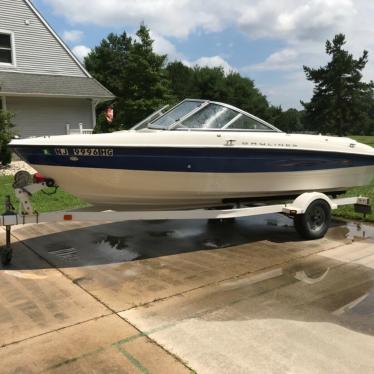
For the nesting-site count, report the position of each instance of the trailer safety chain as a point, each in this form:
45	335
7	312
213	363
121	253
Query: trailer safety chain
9	208
50	193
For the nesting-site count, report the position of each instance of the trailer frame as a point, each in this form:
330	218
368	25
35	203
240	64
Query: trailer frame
297	208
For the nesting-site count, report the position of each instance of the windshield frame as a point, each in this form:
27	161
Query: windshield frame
178	125
152	117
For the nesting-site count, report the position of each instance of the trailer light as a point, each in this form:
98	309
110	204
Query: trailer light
38	178
68	217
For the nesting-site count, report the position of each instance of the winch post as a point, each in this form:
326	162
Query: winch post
6	251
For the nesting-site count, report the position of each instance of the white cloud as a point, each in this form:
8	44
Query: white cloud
285	59
72	36
164	46
295	20
81	51
213	62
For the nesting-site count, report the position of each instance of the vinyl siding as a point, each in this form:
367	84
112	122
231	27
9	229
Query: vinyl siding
48	116
37	50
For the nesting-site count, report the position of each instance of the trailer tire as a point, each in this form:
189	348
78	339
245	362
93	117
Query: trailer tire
315	222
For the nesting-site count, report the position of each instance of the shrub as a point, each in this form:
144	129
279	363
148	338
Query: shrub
6	134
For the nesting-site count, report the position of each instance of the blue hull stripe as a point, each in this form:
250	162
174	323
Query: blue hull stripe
203	160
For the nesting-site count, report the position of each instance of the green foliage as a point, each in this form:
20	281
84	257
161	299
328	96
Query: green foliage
134	73
182	81
6	134
289	121
341	102
241	92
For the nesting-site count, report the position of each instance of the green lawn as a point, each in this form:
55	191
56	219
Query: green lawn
42	203
369	140
367	191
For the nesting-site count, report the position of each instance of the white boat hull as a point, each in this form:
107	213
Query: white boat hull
132	189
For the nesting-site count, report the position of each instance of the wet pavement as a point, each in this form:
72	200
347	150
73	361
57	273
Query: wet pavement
174	296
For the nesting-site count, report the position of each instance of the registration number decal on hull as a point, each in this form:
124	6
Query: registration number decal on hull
105	152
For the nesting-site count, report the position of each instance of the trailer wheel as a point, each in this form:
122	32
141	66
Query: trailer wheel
315	222
6	255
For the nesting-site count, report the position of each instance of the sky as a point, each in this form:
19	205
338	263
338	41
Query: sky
268	41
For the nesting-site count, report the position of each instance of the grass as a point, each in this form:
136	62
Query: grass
59	201
348	211
63	201
369	140
367	191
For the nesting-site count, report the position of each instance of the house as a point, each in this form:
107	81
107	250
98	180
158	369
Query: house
41	81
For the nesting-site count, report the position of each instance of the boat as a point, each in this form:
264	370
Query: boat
197	154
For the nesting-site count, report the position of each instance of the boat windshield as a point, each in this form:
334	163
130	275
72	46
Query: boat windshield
206	115
212	116
175	114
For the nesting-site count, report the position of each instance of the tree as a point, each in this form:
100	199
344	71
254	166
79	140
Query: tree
6	134
242	92
182	81
289	120
341	102
134	73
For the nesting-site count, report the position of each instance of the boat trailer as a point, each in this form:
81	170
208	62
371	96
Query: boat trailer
311	212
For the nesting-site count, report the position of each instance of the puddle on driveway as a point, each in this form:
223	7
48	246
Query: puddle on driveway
149	239
357	231
190	235
115	242
351	231
116	246
136	240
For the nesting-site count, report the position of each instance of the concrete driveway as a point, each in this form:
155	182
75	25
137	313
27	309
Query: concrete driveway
181	296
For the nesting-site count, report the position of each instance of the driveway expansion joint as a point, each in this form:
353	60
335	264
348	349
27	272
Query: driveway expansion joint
55	330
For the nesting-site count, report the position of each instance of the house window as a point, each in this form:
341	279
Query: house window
6	55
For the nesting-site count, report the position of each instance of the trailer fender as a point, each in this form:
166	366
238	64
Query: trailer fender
301	203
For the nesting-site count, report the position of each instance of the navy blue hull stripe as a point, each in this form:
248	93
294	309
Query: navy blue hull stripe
203	160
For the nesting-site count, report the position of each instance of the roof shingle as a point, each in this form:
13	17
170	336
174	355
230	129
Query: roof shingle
12	83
